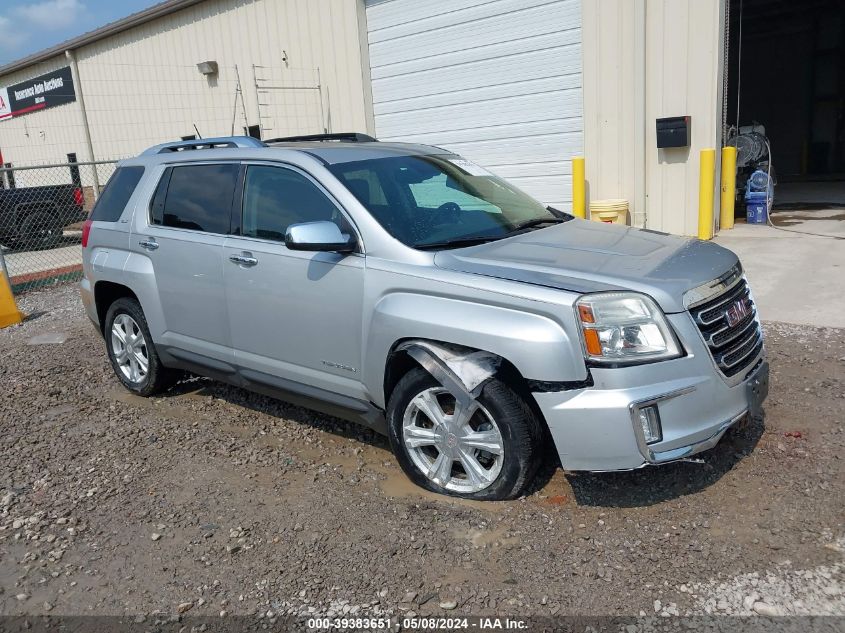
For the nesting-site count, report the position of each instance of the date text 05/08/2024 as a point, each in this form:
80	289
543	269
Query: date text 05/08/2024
419	623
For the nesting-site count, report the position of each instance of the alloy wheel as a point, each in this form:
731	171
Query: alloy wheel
129	348
459	448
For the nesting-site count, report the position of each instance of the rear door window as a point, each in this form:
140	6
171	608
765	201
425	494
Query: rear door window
198	197
115	196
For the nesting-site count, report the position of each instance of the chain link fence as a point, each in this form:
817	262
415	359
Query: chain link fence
42	209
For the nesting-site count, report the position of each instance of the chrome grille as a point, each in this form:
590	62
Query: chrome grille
733	346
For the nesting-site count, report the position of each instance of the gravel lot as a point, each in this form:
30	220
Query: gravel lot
211	499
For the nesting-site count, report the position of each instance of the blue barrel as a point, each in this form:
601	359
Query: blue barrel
756	207
756	189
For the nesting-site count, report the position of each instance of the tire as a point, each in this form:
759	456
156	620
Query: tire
125	315
38	231
504	475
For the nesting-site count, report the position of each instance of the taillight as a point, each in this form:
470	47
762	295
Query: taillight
78	199
86	230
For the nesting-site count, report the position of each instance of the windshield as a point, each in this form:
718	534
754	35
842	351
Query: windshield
436	200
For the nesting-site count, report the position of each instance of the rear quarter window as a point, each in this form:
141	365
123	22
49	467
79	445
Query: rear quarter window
115	196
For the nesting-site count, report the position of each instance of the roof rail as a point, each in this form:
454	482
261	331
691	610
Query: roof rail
353	137
204	143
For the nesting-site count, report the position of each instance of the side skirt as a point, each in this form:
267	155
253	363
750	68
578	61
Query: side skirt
321	400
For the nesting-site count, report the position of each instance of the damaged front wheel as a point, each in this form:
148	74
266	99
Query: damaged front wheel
486	449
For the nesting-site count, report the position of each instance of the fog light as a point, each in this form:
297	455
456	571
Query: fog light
650	421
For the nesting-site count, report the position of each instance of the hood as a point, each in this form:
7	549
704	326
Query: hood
584	256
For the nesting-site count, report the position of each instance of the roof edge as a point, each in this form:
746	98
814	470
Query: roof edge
154	12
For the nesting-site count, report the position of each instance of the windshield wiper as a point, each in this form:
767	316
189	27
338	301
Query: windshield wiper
563	215
472	240
528	224
458	242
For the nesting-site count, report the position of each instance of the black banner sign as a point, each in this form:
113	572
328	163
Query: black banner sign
45	91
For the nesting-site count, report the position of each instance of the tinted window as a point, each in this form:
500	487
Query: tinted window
157	203
115	196
275	197
199	197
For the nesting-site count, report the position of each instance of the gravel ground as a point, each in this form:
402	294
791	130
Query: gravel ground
211	499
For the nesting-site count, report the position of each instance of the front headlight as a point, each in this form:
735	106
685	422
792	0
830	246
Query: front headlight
624	328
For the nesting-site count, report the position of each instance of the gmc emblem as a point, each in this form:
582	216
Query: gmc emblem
737	311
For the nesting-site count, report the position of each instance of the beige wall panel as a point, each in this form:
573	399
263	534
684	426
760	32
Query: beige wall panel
646	59
683	49
614	101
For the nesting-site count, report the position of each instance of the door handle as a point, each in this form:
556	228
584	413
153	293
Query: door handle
150	245
243	260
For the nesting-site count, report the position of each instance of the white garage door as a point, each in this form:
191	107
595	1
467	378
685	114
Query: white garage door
498	81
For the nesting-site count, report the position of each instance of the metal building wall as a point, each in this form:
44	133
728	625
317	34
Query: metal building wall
614	101
645	59
142	86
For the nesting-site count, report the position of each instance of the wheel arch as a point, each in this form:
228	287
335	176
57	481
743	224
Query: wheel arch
105	294
533	347
400	361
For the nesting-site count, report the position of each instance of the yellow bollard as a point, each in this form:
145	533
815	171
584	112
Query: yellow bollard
726	207
579	188
706	183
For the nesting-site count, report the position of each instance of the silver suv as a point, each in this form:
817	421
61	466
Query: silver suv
411	290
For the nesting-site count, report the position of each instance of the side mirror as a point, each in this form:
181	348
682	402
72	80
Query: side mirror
319	236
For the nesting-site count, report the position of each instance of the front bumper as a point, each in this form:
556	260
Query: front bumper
596	428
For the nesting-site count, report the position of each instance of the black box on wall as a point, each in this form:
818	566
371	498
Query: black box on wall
673	131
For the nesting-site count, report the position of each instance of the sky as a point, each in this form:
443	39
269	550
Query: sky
28	26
